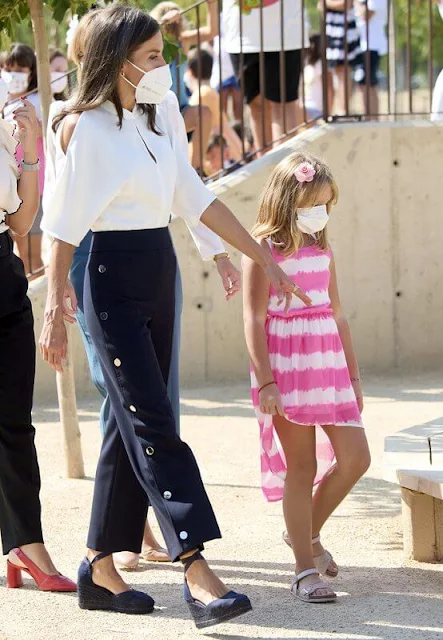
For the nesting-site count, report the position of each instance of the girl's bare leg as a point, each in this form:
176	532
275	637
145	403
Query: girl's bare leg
353	460
199	121
298	444
261	113
30	251
344	100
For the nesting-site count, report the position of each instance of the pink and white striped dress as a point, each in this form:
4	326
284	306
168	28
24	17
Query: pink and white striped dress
309	367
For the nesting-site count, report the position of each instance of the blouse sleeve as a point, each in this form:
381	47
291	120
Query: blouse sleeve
208	243
191	197
82	189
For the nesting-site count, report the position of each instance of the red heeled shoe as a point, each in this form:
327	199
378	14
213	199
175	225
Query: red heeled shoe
44	581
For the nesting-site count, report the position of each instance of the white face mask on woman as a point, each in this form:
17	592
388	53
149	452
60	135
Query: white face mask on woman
153	85
17	81
313	219
59	81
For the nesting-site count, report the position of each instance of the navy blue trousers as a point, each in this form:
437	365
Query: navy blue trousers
77	275
129	308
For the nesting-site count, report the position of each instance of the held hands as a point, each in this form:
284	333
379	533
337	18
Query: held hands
54	338
230	276
270	400
28	127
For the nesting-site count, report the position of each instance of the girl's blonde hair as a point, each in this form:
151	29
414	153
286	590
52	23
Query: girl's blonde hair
172	29
283	195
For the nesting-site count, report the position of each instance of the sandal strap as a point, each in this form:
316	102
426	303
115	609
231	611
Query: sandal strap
316	539
191	559
315	587
100	556
305	574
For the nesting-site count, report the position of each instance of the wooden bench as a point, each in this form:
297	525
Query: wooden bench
413	459
422	510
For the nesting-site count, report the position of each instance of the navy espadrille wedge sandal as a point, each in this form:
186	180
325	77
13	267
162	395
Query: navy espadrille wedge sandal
226	608
93	597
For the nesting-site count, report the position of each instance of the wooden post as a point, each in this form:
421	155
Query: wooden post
68	415
420	540
42	53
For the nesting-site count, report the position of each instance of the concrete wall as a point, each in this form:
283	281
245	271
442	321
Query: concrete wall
387	235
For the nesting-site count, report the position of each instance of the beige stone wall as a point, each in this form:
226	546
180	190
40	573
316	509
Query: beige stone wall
386	233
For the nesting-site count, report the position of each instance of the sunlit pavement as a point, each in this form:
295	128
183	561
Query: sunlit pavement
382	595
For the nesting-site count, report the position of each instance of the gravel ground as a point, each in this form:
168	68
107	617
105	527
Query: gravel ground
382	595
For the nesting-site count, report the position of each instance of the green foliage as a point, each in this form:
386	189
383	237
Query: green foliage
15	18
15	22
419	34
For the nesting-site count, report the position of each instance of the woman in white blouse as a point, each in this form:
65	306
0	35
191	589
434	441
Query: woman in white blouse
208	244
124	173
20	521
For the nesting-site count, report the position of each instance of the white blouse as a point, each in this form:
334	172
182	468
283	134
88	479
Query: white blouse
9	200
114	179
207	242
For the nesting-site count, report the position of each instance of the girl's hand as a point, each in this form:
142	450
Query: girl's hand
171	16
69	303
270	401
28	127
54	341
356	384
230	275
284	286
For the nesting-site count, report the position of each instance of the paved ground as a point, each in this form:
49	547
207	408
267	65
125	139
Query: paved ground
383	597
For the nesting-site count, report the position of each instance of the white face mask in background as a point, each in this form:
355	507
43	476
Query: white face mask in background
153	85
3	94
59	81
313	219
17	81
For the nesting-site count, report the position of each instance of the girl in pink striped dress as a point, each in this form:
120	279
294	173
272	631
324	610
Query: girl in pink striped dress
305	379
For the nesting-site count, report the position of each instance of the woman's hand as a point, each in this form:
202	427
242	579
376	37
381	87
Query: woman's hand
270	400
28	129
230	275
69	303
54	341
284	286
356	384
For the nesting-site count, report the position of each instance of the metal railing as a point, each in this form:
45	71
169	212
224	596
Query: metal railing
405	82
405	78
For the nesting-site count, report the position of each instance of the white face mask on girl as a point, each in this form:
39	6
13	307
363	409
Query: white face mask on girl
153	85
17	81
59	81
313	219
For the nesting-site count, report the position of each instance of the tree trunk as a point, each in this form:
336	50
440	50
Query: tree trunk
42	53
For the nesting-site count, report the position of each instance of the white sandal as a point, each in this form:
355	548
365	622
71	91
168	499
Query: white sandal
322	562
307	594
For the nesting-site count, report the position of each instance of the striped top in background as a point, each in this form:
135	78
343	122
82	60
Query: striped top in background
342	38
309	367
